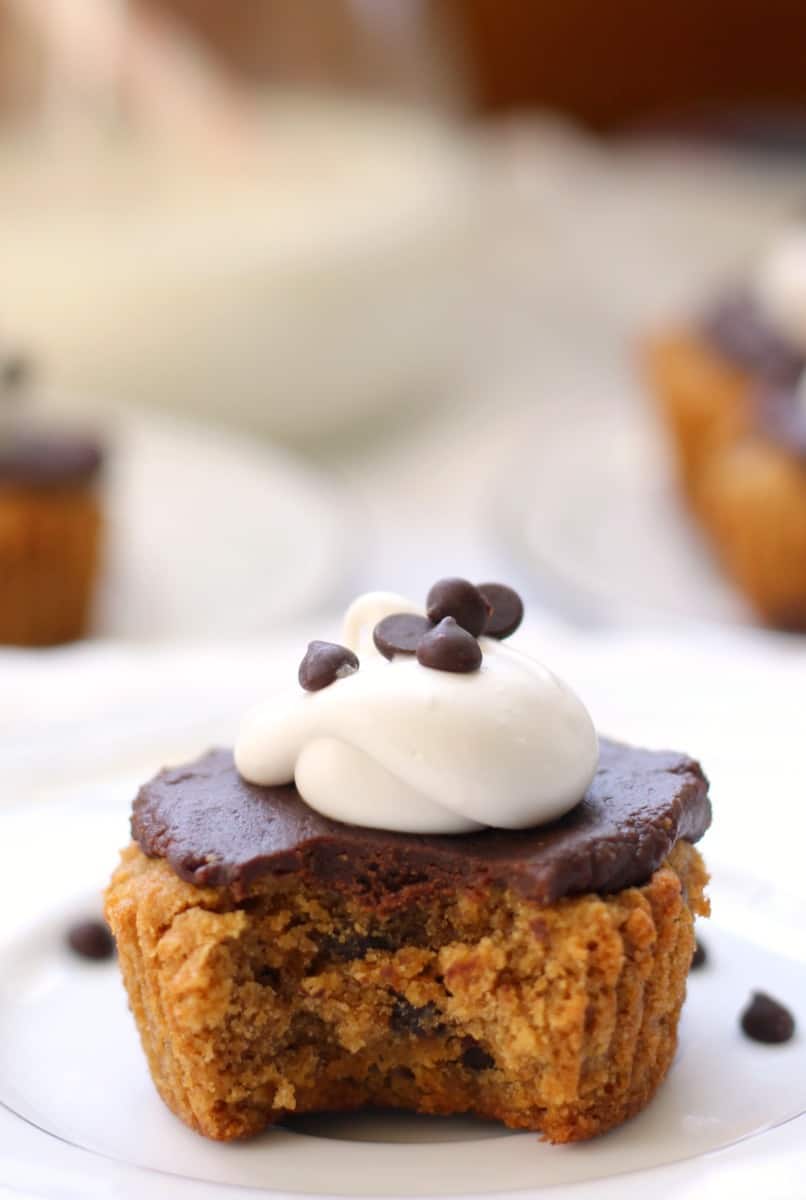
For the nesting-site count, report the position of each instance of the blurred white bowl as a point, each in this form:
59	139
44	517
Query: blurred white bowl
295	290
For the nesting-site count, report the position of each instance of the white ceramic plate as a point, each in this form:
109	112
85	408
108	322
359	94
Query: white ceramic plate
213	535
79	1115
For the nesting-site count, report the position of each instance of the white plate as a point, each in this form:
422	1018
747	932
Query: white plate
81	1117
595	511
213	535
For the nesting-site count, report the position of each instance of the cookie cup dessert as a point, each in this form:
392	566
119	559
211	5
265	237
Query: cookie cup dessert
50	523
732	392
50	534
420	882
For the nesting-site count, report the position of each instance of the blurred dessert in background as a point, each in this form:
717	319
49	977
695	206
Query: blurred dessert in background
731	387
316	275
50	522
291	258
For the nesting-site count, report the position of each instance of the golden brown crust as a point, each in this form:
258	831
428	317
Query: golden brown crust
753	502
749	495
559	1018
702	398
49	546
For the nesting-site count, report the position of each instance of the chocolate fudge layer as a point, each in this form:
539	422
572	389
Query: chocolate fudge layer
214	829
49	460
738	330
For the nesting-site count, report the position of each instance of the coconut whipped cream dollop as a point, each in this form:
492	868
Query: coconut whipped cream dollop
404	728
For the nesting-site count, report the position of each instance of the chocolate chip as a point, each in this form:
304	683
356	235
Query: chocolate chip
400	633
324	663
91	939
507	609
699	957
409	1018
737	327
765	1020
476	1058
460	599
355	946
268	977
307	1029
449	647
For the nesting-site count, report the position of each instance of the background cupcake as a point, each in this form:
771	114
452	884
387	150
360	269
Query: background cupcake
50	522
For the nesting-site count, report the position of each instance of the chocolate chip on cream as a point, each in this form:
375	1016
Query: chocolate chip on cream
494	740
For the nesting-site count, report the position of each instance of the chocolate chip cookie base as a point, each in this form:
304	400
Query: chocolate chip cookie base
747	492
559	1018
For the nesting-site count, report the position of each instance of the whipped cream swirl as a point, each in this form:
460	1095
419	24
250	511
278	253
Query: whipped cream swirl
400	747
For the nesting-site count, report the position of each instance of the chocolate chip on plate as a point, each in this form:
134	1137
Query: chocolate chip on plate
324	663
400	633
460	599
507	609
91	939
699	957
765	1020
449	647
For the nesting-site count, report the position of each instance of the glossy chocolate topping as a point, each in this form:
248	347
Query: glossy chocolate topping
214	829
736	327
782	419
42	460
